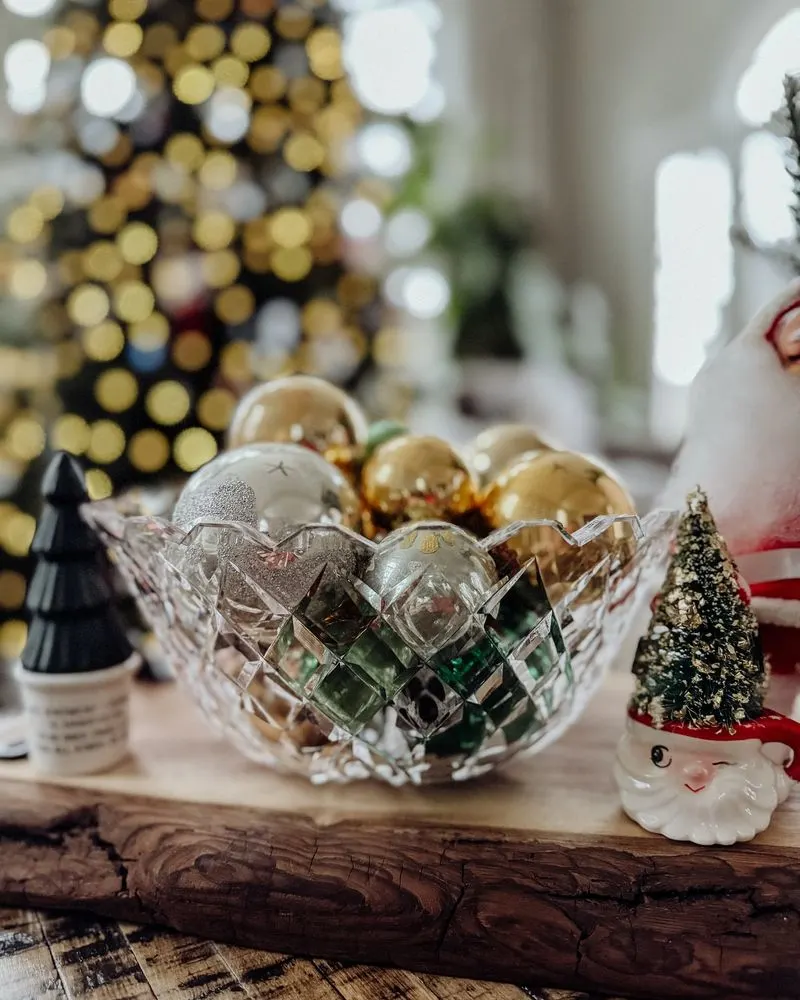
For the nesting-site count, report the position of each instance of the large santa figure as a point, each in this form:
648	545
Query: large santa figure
743	448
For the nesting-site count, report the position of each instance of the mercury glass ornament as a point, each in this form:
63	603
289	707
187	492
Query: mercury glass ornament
292	485
494	449
565	487
416	478
300	409
432	578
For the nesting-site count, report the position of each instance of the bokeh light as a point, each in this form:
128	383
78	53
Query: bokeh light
107	85
384	148
390	52
361	219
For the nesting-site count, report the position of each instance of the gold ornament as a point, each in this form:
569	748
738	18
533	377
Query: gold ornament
347	459
413	478
560	486
299	409
494	449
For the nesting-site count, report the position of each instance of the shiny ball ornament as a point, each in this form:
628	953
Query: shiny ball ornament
565	487
414	478
293	486
300	410
431	577
230	499
494	449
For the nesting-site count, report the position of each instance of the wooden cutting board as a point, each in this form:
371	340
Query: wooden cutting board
533	875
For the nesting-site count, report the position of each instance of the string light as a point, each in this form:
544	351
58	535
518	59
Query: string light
167	402
192	351
12	639
385	149
215	409
361	219
104	342
116	390
26	64
28	279
25	438
12	590
70	432
98	484
193	448
29	8
88	305
106	442
106	86
16	533
148	450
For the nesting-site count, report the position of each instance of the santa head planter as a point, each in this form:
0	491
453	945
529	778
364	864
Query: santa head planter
701	759
742	444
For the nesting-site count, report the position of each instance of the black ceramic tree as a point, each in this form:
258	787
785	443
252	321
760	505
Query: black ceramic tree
75	625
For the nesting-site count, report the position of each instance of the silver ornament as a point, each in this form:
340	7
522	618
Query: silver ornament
293	487
205	548
318	557
230	499
432	578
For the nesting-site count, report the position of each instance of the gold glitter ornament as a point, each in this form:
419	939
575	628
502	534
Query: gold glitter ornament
494	449
299	409
561	486
416	478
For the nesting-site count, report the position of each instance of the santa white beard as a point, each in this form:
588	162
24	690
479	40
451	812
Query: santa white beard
743	446
735	805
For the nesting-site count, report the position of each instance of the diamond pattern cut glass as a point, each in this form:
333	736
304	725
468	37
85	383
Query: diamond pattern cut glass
305	667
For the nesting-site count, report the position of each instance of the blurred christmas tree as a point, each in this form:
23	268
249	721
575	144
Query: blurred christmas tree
187	223
785	123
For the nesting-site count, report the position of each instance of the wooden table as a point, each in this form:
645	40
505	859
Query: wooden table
72	957
532	876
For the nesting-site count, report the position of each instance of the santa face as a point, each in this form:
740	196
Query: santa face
705	791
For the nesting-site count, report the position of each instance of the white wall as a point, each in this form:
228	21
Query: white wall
495	58
635	80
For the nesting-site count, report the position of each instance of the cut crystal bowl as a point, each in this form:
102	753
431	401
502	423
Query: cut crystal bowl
426	669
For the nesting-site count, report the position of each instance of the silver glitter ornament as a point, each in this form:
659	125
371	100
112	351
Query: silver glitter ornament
205	548
432	578
316	556
293	487
230	499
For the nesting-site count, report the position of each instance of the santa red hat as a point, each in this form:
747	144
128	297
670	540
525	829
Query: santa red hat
769	727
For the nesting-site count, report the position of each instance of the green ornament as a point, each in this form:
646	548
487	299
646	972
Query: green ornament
382	431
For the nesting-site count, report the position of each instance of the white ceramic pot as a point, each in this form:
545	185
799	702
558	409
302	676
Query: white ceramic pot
77	723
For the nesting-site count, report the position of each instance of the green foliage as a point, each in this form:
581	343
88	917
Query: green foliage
700	662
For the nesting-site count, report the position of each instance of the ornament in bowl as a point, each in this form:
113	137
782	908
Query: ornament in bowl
701	759
430	651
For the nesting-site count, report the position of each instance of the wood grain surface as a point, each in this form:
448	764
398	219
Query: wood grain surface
76	957
535	877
